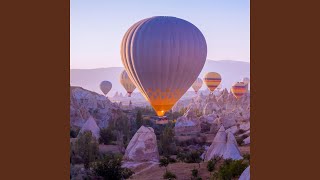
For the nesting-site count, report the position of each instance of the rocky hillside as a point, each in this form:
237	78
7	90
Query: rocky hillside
231	71
84	103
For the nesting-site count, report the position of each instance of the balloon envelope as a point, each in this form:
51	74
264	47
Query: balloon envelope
197	85
105	87
246	80
212	80
127	83
238	89
163	56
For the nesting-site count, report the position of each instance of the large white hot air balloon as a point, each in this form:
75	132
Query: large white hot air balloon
163	56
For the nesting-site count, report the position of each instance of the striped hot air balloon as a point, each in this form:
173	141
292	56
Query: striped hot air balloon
238	89
127	83
212	80
197	85
163	56
105	87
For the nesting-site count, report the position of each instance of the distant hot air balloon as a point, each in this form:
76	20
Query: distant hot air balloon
197	85
105	87
127	83
212	80
246	80
238	89
163	56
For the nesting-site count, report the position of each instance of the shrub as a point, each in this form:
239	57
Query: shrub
230	169
110	168
189	157
164	162
169	175
241	138
167	145
194	172
87	148
106	136
74	132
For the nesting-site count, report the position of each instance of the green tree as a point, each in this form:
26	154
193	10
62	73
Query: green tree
139	119
212	163
106	136
164	162
87	148
166	142
109	168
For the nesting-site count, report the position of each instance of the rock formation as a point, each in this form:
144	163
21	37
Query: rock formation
142	146
91	125
188	123
245	174
84	103
223	145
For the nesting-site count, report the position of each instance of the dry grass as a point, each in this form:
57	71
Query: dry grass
181	170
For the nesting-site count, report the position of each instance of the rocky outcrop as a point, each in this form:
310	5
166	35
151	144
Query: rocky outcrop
246	141
245	174
84	103
142	146
91	125
224	145
188	123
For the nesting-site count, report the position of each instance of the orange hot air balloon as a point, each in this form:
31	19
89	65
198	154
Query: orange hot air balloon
163	56
197	85
212	80
127	83
238	89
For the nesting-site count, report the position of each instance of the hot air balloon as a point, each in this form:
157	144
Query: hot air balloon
163	56
238	89
246	80
105	87
212	80
197	85
127	83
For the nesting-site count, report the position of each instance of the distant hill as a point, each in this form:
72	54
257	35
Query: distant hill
90	79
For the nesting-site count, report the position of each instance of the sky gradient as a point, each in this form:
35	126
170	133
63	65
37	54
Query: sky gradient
97	27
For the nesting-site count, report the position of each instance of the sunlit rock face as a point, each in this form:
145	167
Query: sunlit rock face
91	125
224	145
142	146
188	123
245	174
84	103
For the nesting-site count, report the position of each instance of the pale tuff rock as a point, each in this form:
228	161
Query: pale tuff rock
232	151
208	118
142	146
245	126
246	141
188	123
84	103
245	174
91	125
228	119
232	129
224	145
211	107
186	126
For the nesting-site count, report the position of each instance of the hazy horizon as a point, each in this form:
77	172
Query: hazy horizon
121	66
97	28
